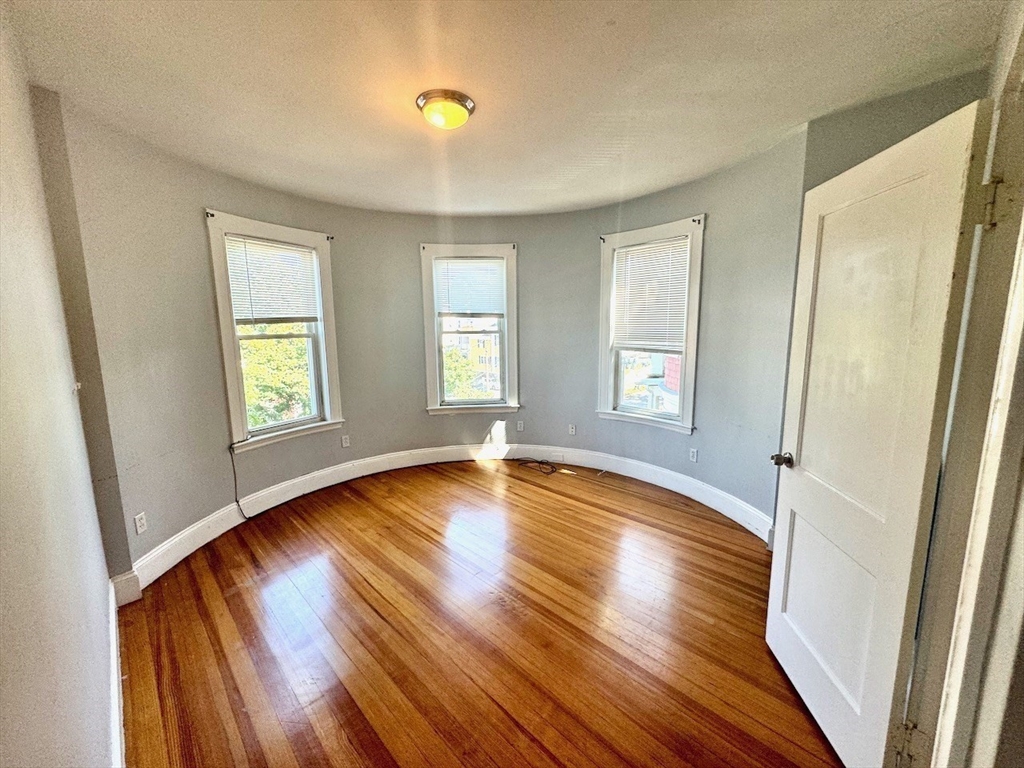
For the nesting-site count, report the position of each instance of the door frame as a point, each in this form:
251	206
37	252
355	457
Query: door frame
969	551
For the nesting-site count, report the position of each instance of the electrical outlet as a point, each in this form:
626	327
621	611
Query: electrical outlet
572	429
519	426
140	524
693	455
558	457
345	441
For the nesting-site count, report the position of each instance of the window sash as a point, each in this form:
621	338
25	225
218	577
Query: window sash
313	344
500	332
619	383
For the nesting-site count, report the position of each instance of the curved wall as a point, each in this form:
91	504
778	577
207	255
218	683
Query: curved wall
150	285
146	253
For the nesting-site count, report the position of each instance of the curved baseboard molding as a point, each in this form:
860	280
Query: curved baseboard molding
737	510
161	559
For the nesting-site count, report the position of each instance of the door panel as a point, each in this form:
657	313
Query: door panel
880	286
864	303
828	602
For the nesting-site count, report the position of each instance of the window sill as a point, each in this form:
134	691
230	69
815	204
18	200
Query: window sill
285	434
450	409
649	420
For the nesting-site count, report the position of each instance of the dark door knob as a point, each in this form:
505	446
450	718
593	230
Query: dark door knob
782	459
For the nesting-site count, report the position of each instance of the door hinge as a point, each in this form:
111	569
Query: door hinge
988	219
910	743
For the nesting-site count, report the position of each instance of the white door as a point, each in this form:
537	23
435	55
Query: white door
884	256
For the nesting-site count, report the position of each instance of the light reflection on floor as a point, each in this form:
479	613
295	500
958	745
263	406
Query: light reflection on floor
478	538
277	597
644	586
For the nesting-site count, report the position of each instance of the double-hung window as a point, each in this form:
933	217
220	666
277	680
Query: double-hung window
650	305
277	327
469	300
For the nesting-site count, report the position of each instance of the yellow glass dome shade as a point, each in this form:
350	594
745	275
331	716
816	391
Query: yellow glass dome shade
445	109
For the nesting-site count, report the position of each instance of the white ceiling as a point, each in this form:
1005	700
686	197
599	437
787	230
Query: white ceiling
579	103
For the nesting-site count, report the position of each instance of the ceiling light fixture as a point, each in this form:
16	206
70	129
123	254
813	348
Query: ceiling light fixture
444	108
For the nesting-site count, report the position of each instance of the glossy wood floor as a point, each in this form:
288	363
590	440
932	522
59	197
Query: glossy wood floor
473	614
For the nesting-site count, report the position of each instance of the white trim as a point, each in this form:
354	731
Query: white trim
693	226
987	570
748	516
510	365
737	510
270	497
117	740
637	418
452	409
220	224
126	588
258	441
161	559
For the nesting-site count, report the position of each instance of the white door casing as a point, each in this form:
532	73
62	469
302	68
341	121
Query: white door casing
884	255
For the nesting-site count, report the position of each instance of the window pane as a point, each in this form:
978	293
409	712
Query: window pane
649	381
245	329
278	377
471	366
449	324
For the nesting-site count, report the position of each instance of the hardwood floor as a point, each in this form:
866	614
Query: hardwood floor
473	614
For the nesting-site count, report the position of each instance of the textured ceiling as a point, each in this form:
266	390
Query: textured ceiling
579	103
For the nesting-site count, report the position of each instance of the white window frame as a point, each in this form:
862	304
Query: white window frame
510	370
693	226
220	224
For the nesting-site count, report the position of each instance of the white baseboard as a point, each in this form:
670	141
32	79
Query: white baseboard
117	741
164	557
126	588
158	561
743	513
270	497
747	515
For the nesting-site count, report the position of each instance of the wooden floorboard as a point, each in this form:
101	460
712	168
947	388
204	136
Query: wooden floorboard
476	614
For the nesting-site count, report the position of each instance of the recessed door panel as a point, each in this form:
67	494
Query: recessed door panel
867	273
829	601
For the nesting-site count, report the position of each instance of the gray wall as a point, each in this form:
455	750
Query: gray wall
149	282
144	240
74	283
841	140
55	664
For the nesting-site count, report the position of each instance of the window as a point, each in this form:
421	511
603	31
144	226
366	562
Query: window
650	305
469	300
277	327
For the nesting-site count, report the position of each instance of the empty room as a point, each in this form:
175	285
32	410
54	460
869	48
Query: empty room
497	383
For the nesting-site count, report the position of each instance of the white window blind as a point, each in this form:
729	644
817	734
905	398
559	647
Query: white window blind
649	295
469	286
271	282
